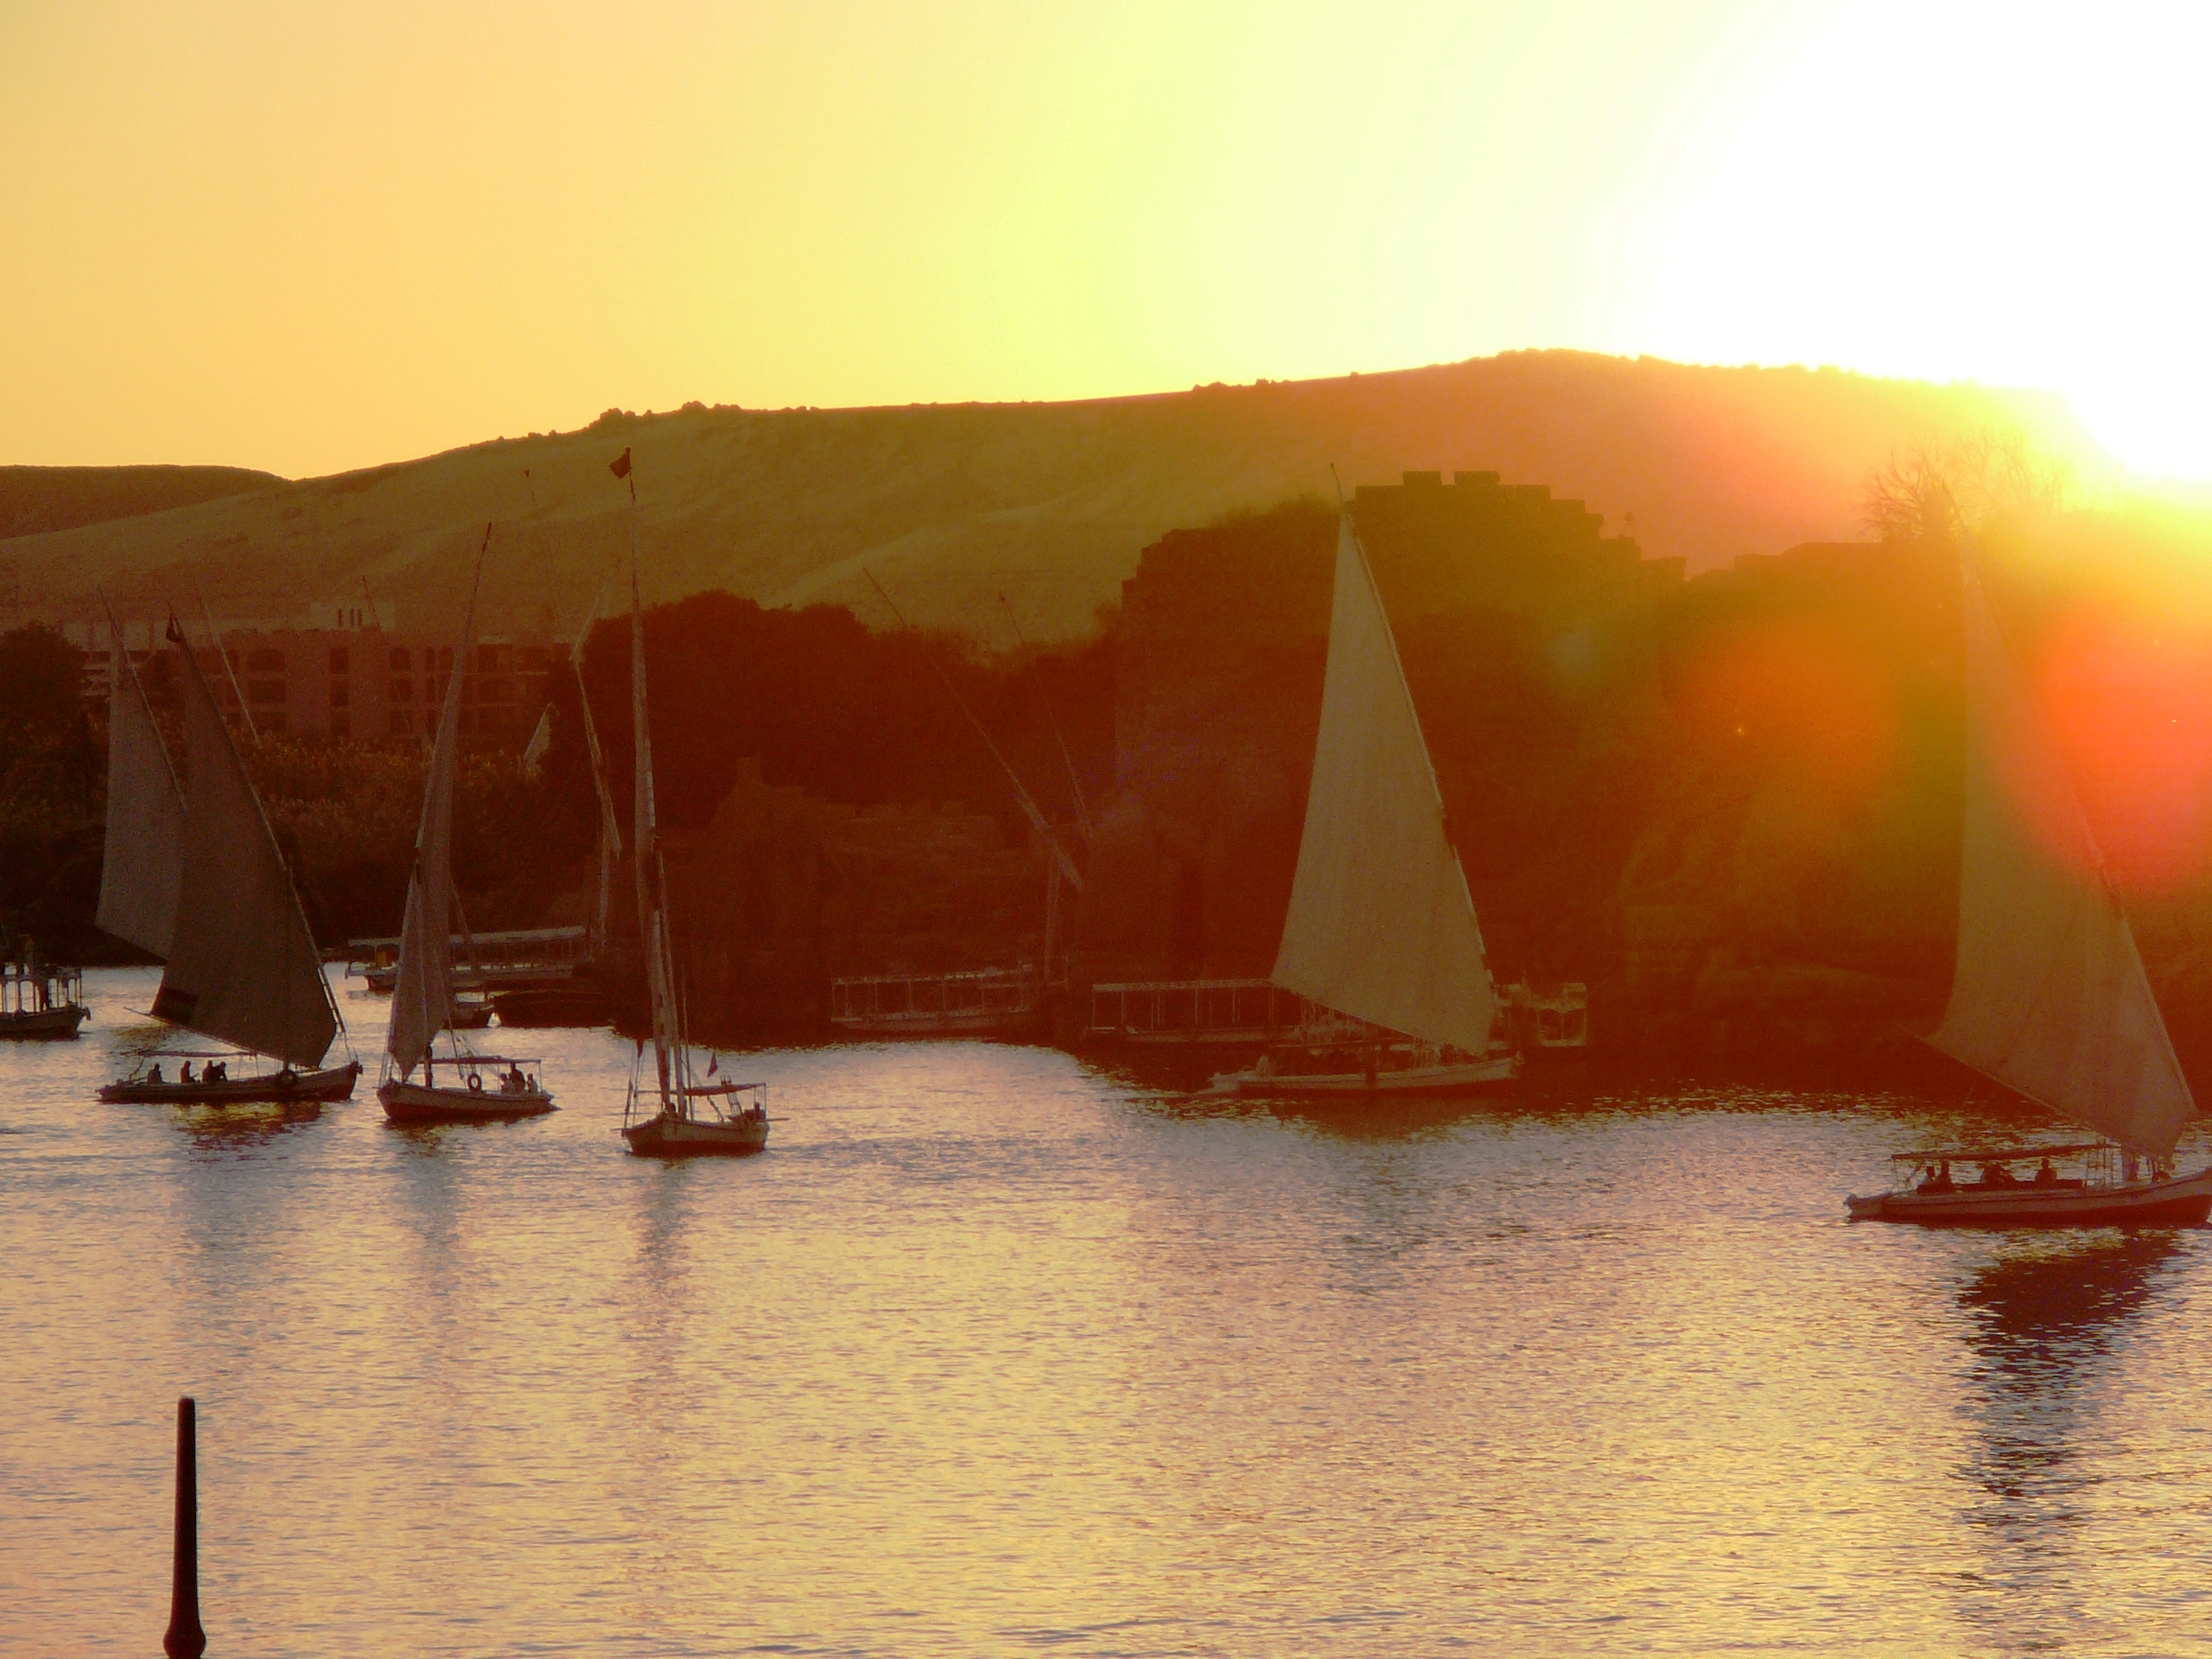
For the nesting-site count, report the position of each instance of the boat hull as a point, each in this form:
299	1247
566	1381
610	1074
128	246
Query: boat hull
664	1137
416	1102
43	1024
922	1026
1463	1077
2185	1201
562	1006
335	1083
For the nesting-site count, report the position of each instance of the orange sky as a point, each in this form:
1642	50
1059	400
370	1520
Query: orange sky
315	237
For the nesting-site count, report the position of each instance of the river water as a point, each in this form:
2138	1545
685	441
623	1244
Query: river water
998	1353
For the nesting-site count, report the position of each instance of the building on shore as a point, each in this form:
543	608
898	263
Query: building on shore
354	678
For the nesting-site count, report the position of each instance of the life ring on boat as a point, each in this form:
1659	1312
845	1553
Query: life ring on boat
475	1083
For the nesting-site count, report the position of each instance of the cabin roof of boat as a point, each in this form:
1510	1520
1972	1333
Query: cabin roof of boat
1998	1154
467	1060
722	1088
199	1054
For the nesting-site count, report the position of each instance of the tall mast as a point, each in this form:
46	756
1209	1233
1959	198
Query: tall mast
610	827
652	907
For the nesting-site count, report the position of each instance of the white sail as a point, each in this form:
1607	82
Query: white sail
143	863
2049	996
1381	924
243	967
422	992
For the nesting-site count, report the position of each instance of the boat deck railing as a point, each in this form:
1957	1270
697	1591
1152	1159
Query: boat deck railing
33	986
894	996
1199	1010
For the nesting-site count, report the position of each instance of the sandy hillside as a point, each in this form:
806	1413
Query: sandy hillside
1050	502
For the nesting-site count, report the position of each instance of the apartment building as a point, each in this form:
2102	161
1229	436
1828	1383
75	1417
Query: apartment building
357	681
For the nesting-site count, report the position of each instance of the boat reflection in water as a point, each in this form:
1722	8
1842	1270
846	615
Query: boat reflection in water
2051	1324
243	1127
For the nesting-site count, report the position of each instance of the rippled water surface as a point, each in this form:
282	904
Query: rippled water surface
996	1352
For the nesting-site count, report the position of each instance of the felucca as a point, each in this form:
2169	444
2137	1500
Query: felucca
2049	997
689	1116
241	964
142	868
422	997
1382	928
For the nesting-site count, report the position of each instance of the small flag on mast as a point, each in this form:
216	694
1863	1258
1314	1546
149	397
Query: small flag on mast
714	1065
620	465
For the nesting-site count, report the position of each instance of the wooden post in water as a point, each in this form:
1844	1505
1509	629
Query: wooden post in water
185	1639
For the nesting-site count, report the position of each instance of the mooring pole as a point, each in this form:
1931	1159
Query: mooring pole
185	1639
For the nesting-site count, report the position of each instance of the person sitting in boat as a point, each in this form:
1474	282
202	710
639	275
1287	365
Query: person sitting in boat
185	1074
1940	1180
216	1072
1997	1175
2046	1173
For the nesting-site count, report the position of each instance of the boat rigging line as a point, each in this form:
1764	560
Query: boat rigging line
1037	678
1021	794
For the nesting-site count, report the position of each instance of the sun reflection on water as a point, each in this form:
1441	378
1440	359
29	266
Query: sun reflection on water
996	1351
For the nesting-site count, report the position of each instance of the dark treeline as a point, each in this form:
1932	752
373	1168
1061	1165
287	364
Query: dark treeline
827	706
847	715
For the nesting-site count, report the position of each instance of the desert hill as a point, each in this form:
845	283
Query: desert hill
1049	503
33	499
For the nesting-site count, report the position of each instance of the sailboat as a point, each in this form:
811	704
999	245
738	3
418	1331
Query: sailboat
685	1115
423	1000
1381	932
2049	998
241	964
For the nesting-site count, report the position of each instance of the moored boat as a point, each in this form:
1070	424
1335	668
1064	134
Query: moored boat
1377	1068
2049	998
980	1002
581	1004
38	1001
469	1013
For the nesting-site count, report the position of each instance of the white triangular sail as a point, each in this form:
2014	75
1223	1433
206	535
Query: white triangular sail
2049	996
422	991
1381	924
142	866
243	967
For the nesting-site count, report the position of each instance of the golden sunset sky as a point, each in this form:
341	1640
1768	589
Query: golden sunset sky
313	237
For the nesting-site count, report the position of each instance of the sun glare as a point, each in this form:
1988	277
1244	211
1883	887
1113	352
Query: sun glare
1931	191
